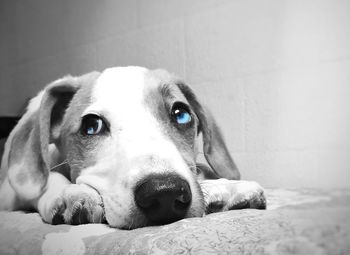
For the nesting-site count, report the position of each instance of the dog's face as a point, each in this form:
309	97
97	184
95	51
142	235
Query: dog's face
130	134
134	126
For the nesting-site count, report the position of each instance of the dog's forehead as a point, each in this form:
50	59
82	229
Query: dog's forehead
125	90
121	87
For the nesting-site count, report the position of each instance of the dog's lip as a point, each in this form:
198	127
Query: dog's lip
94	182
92	187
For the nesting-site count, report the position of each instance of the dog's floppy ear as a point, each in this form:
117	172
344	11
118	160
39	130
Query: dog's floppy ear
28	157
214	147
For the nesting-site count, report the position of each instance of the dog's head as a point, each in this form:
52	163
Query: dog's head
131	134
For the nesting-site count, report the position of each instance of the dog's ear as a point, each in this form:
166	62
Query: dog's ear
214	147
28	154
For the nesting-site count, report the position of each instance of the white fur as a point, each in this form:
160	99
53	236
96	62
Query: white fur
56	183
35	102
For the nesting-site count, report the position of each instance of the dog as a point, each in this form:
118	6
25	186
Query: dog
120	147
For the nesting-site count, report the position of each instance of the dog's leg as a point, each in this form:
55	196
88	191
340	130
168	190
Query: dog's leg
223	195
64	202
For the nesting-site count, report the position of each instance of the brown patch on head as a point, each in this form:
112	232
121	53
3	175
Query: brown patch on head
69	143
160	97
77	105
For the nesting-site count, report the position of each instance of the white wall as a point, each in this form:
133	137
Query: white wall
275	72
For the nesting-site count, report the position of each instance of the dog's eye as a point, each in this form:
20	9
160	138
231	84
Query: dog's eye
92	125
181	114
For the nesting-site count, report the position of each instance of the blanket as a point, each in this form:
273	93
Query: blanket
295	222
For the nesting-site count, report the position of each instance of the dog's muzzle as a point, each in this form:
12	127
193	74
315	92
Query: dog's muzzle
163	198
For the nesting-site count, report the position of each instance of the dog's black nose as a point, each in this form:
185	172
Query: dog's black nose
163	198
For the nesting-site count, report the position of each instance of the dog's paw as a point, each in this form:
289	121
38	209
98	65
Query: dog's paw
223	195
248	194
78	204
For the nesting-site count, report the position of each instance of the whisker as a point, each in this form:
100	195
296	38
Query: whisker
60	164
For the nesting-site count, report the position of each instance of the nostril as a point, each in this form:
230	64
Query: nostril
185	196
163	198
150	204
182	201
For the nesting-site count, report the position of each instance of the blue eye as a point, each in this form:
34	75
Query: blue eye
92	125
182	116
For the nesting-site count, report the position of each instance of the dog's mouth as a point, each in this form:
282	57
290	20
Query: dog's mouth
156	200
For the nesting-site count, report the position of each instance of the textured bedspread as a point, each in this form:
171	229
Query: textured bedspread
296	222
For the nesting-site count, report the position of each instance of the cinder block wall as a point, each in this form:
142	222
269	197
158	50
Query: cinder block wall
276	73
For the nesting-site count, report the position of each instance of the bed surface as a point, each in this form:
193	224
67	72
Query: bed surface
296	222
